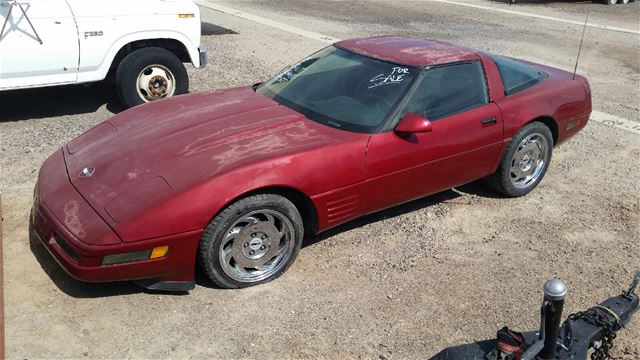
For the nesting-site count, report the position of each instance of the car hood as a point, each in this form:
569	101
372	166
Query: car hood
144	155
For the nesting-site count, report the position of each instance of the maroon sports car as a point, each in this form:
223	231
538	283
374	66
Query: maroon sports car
234	179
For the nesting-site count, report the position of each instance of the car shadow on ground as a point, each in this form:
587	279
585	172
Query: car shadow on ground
79	289
203	280
451	196
448	196
477	188
209	29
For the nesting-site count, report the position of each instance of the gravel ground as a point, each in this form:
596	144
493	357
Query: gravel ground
404	283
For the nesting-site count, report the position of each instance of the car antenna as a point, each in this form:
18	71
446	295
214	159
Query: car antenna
584	29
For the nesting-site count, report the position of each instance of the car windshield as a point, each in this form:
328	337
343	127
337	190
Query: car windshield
341	89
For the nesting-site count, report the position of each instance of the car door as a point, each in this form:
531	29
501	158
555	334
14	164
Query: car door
463	145
38	46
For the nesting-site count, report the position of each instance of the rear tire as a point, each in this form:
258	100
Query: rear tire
525	161
150	74
252	241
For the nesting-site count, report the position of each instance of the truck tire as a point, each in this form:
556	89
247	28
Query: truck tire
150	74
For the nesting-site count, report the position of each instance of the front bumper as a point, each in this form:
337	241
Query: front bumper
81	259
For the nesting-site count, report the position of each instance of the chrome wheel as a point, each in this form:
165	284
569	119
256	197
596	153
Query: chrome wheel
155	82
529	160
257	246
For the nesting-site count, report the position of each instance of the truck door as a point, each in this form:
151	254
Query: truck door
39	45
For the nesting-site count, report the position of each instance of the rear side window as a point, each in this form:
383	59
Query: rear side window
516	76
448	90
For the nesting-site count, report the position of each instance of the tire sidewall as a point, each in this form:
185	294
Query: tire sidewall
505	170
220	225
133	64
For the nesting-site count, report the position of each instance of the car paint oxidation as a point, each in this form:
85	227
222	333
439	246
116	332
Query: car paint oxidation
165	169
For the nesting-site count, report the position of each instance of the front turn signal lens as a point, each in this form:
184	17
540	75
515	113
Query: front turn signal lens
158	252
126	257
186	16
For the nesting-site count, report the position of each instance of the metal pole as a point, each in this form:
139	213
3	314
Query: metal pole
555	292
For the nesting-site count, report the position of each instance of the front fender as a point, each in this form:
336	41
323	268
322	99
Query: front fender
189	210
98	69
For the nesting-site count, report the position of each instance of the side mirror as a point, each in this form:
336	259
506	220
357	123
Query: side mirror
412	123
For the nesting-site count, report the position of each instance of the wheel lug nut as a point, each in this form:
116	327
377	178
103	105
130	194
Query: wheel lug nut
253	235
262	247
263	237
245	244
251	252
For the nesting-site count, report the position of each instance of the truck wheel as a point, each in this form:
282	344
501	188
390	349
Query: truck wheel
150	74
611	2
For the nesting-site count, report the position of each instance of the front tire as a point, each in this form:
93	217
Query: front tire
150	74
525	161
251	242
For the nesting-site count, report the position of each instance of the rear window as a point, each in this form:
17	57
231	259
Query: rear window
515	75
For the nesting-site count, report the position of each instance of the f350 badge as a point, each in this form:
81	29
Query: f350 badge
92	33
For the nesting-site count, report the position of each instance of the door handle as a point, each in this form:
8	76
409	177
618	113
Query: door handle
489	121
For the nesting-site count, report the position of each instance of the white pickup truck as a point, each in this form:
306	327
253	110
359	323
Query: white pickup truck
141	44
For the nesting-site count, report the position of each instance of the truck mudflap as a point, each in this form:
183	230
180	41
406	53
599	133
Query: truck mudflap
202	51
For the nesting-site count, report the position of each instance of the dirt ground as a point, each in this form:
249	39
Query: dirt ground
403	283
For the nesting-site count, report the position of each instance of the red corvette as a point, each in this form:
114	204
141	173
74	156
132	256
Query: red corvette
234	179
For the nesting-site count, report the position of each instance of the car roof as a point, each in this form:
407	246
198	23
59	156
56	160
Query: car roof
409	50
